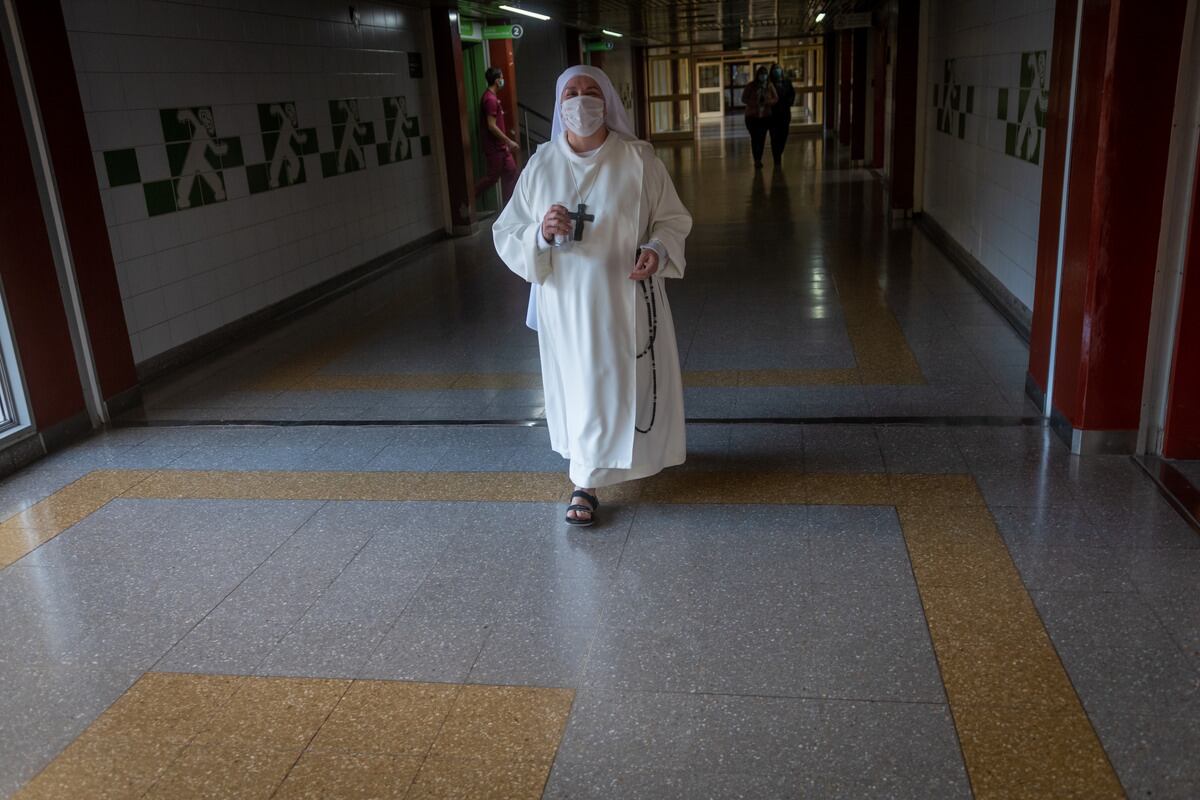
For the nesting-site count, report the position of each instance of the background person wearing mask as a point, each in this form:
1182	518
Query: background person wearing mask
759	97
498	147
781	112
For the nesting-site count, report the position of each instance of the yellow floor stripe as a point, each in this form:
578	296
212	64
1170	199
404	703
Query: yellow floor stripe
1022	728
177	735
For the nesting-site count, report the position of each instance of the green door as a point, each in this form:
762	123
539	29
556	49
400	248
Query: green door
474	86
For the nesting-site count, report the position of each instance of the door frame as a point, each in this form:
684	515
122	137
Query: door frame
719	91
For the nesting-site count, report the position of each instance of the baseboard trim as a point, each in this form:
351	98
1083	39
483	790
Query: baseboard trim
1018	315
261	321
20	453
124	401
69	431
1175	487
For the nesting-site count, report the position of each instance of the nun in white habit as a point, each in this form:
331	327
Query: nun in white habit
610	366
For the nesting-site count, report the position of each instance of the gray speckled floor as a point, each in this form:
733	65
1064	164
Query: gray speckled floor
719	651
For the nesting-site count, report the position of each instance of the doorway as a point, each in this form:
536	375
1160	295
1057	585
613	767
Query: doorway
710	91
474	83
669	89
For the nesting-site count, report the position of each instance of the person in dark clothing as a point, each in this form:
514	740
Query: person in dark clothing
781	112
758	98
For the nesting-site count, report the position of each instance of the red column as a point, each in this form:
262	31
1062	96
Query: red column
456	140
904	99
30	278
859	81
1182	436
845	73
500	55
1118	166
1054	157
49	53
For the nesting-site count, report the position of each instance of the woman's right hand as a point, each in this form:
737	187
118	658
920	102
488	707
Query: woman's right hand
555	222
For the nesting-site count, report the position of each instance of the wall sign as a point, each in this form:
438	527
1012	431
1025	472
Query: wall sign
503	32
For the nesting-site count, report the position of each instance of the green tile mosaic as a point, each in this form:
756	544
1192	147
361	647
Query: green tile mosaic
232	157
160	197
284	144
954	102
256	178
351	134
122	167
1026	121
198	158
197	189
401	130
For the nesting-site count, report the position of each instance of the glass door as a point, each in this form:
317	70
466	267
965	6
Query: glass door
710	94
737	75
805	66
669	86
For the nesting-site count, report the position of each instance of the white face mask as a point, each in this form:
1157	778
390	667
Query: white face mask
583	115
499	83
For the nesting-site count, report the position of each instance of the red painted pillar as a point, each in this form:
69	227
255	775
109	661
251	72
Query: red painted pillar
456	140
1053	162
1182	435
858	83
904	100
500	55
30	278
1114	206
845	75
54	80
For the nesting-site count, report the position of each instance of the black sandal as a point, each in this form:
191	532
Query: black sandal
577	507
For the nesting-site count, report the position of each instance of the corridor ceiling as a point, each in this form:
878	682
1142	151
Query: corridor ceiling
682	22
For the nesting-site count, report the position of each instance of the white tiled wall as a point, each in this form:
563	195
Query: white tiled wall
188	272
987	200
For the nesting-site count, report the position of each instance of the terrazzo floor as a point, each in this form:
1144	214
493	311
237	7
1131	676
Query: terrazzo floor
817	604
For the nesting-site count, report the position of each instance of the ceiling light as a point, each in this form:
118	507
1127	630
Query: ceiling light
612	33
820	16
525	13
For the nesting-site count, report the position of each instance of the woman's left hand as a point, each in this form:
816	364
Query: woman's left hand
647	265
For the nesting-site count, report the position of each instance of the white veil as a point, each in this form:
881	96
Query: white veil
614	117
614	110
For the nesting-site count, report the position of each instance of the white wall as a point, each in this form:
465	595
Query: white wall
540	56
187	271
618	65
983	174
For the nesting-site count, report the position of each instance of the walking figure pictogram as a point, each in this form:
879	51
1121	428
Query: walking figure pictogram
204	133
285	154
353	128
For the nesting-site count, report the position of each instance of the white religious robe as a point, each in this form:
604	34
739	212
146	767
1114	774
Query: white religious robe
593	321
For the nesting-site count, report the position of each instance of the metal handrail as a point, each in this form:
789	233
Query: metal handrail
531	138
533	112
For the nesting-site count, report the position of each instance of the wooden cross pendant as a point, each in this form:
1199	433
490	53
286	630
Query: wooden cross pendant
579	218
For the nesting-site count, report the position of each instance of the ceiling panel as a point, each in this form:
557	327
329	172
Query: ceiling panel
682	22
